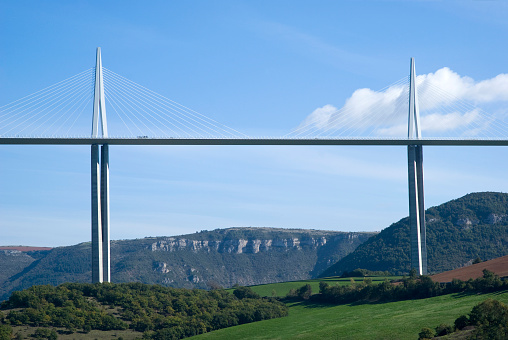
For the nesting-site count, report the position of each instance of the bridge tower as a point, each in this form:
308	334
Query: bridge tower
100	184
415	180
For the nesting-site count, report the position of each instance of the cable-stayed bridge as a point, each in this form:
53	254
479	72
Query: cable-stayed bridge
413	112
61	113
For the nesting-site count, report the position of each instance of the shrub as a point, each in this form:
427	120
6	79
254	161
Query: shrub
45	333
291	294
425	333
87	328
245	293
461	322
443	329
5	332
359	272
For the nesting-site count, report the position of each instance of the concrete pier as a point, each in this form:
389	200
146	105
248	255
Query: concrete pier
417	209
106	256
97	242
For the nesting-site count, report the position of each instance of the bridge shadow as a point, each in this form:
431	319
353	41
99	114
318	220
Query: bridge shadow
321	304
465	294
318	305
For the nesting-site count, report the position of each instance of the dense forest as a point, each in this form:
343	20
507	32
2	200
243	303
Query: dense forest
459	231
155	311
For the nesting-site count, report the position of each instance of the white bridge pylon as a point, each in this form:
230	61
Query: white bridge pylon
415	181
101	256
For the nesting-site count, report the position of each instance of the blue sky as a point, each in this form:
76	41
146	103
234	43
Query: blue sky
260	67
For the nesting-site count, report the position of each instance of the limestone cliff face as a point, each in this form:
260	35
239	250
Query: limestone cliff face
240	246
245	256
489	219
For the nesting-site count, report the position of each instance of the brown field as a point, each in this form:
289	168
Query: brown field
24	248
498	266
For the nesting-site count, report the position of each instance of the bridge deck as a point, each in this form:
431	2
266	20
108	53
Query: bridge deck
250	141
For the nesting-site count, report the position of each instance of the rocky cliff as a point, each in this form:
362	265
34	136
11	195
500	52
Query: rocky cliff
221	257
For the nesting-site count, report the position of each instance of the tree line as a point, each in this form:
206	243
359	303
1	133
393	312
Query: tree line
412	287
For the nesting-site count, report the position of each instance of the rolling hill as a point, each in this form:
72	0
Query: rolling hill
458	231
221	257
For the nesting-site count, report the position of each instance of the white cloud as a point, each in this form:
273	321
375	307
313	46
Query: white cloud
437	122
462	88
445	99
321	116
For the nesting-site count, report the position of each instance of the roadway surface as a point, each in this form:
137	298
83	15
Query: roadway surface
249	141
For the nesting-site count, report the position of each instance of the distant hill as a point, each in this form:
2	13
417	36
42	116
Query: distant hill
14	260
458	231
221	257
24	248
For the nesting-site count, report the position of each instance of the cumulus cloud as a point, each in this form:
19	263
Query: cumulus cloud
437	122
446	102
462	88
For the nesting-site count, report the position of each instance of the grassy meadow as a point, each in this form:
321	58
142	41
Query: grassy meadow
393	320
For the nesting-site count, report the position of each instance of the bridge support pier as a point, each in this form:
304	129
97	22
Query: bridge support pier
417	209
100	214
97	254
106	255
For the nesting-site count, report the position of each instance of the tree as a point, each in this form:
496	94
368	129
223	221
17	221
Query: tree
305	292
323	286
245	293
491	320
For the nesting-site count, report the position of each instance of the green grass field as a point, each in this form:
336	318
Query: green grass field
393	320
281	289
